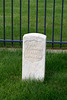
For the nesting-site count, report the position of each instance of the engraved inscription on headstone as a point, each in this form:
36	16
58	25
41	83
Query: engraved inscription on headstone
33	50
34	47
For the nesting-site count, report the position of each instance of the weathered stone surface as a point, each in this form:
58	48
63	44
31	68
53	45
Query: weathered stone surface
34	47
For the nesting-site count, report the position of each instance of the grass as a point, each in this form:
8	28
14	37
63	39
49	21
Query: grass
13	88
49	18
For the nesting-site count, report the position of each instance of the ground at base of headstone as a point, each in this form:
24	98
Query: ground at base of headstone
12	87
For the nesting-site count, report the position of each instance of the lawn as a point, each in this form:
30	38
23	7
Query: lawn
12	87
24	30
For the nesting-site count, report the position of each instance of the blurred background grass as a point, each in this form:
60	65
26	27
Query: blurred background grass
24	16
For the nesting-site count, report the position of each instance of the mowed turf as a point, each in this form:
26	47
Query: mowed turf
24	17
12	87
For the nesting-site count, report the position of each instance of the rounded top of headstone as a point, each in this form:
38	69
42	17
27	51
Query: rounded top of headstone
35	34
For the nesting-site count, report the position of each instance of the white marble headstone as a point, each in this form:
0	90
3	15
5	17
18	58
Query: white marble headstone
33	58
